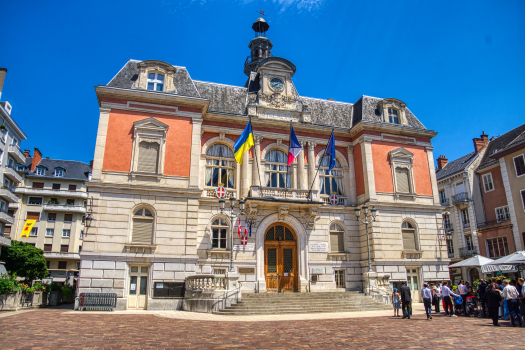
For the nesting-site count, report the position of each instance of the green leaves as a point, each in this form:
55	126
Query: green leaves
24	260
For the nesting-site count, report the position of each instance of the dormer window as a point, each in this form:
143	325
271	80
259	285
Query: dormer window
59	172
155	81
393	116
40	171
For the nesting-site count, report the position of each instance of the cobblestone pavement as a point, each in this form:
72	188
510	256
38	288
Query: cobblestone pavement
60	329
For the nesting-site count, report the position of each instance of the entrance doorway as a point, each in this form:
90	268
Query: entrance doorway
280	259
413	283
138	287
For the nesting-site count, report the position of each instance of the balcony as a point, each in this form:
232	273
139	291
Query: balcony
14	151
6	218
466	225
65	208
11	173
210	193
8	195
466	252
444	202
342	201
47	192
493	222
448	227
282	194
61	255
460	198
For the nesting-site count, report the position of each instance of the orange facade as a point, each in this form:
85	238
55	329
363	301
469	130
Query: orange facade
119	142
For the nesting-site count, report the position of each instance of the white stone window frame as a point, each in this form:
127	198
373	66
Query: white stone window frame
392	103
346	173
281	147
416	235
504	213
64	233
159	67
202	169
156	81
40	171
401	158
489	181
343	226
229	144
59	172
50	230
514	164
209	228
149	130
130	224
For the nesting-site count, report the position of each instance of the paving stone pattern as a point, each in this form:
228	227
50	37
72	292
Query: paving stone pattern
56	329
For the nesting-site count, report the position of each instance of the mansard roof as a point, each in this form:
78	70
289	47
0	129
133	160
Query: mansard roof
228	99
456	166
73	170
512	139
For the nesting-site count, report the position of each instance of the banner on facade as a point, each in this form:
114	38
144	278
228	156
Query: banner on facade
496	268
27	228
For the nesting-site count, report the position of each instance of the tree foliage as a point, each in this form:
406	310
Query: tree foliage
24	260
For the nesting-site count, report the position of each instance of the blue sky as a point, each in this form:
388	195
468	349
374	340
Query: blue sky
458	65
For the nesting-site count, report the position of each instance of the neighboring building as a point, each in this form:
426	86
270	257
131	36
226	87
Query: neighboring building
54	193
165	142
459	194
502	177
10	155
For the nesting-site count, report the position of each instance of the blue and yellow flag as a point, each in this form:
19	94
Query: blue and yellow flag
27	228
244	143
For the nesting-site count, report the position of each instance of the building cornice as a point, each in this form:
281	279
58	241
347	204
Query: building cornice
97	186
391	129
12	122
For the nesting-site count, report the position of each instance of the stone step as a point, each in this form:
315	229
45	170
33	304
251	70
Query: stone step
307	303
368	307
293	311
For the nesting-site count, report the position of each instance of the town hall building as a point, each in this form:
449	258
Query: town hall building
165	145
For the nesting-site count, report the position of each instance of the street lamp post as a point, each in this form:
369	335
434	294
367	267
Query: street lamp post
366	221
232	216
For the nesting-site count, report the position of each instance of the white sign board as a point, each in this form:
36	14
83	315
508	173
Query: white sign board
496	268
133	286
160	285
244	247
318	247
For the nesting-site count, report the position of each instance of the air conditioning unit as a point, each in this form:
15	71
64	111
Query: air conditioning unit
8	108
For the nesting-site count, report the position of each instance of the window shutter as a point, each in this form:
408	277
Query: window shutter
148	156
336	242
409	240
402	180
33	215
142	231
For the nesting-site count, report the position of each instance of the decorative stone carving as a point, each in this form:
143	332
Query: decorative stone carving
350	148
279	142
252	98
283	211
277	100
258	140
311	216
311	145
222	136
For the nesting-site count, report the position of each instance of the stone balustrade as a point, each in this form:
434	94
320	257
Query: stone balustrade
282	193
206	282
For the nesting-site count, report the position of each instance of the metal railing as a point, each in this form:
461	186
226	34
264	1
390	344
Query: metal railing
448	227
466	225
465	252
251	59
493	222
445	202
98	301
460	197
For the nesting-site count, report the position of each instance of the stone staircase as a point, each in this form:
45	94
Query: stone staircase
300	303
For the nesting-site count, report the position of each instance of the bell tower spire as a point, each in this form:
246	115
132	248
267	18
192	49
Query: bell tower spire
260	46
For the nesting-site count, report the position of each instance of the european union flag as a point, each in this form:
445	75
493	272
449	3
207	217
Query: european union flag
330	152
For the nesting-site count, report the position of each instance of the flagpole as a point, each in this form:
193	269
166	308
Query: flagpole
256	155
288	167
320	161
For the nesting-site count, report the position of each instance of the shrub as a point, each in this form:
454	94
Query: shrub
7	283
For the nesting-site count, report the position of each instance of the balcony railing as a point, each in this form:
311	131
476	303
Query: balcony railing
460	197
493	222
65	208
7	193
12	174
444	202
466	225
466	252
16	153
50	192
282	193
342	201
448	227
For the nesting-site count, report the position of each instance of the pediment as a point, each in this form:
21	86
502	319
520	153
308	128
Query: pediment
401	153
277	63
151	124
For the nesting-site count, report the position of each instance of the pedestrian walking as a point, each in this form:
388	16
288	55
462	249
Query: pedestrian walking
396	302
512	296
435	296
463	291
482	287
426	294
521	290
406	298
447	295
494	299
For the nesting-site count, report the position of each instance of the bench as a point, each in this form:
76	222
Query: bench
93	301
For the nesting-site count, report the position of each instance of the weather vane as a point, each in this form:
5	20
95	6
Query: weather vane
261	12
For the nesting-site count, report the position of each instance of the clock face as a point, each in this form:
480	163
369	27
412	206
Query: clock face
276	84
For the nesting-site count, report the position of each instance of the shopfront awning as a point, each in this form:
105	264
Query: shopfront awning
489	268
475	261
514	258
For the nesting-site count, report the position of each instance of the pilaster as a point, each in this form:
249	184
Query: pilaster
256	176
100	146
311	166
510	203
301	171
351	192
368	170
195	152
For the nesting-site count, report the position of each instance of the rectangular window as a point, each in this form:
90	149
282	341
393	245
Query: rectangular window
20	168
446	222
41	171
488	185
450	247
53	201
393	116
48	247
64	248
503	214
52	217
155	81
442	197
337	242
519	165
468	242
66	233
79	248
34	231
497	247
72	187
340	279
50	232
31	215
523	198
35	201
38	185
148	157
59	172
56	186
62	265
402	180
465	218
81	234
219	271
68	217
70	201
78	265
48	263
219	238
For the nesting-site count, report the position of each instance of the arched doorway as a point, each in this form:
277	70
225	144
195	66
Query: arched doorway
280	259
474	275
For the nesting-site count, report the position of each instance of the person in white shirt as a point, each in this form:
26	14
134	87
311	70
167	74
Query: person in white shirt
463	291
511	293
426	294
446	293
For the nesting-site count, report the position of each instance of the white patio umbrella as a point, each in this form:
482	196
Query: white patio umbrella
475	261
514	258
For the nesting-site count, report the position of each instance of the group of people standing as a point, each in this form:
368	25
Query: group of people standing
499	299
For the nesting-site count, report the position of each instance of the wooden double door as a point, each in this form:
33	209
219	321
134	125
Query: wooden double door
280	259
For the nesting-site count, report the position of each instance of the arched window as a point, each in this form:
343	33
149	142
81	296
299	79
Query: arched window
331	183
276	173
142	226
409	236
220	166
219	228
155	81
337	235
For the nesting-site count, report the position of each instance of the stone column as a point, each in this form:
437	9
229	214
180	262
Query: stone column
368	169
101	143
257	162
301	171
311	166
246	175
195	152
351	184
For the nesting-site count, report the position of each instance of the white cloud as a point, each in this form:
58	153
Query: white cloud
282	5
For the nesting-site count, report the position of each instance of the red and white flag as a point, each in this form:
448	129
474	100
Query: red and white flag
239	227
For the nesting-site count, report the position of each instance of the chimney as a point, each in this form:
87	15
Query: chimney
442	161
481	142
3	72
91	164
37	157
27	153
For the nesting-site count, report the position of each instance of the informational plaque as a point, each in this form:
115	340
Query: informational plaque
247	270
244	247
318	247
317	271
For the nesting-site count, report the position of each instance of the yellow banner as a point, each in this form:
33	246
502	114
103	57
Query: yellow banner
27	228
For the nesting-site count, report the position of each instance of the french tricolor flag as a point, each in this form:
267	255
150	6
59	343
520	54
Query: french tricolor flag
295	146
